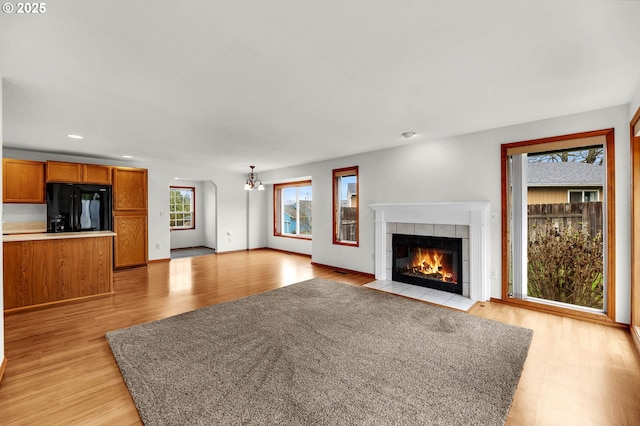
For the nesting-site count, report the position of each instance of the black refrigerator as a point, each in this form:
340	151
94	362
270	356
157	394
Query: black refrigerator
78	207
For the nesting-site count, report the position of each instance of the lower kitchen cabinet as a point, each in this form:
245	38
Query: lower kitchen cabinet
131	239
52	270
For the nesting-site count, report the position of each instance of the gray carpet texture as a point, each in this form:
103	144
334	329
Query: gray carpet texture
322	353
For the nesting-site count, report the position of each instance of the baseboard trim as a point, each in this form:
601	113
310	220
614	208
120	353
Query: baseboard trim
166	259
635	333
344	270
290	252
3	366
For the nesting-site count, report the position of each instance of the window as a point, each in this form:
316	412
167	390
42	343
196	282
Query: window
182	202
559	242
345	206
292	205
583	196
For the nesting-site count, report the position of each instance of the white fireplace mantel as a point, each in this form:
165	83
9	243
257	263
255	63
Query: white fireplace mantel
475	214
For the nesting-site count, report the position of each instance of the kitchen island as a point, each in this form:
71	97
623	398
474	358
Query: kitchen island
41	269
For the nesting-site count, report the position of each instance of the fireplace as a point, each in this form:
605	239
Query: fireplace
434	262
473	218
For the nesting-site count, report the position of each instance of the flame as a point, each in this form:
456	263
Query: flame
429	262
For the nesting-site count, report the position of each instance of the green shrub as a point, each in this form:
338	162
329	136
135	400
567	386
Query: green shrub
566	266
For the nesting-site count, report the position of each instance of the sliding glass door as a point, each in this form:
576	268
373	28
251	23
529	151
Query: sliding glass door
558	222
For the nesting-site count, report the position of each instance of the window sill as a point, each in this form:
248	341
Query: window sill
295	237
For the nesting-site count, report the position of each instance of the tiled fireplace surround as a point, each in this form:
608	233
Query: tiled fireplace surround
431	230
467	220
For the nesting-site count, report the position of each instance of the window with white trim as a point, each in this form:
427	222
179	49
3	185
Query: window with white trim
182	203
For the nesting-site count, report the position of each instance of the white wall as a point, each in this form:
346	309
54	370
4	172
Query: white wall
210	214
256	226
635	103
460	168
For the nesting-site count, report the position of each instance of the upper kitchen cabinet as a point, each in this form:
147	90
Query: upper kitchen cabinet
59	171
129	188
23	181
96	173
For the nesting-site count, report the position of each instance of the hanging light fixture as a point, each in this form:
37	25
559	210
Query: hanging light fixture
253	182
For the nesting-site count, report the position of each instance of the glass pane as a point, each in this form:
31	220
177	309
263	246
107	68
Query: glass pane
181	201
575	197
565	254
347	208
289	210
305	210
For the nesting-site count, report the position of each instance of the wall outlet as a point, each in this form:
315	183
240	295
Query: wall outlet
493	274
157	246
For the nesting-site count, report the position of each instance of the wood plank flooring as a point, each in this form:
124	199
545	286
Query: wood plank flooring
60	369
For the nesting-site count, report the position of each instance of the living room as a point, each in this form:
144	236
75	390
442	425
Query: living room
429	167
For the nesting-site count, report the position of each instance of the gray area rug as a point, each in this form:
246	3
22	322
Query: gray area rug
322	353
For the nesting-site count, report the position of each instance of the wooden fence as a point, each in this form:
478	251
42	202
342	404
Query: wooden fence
348	222
563	215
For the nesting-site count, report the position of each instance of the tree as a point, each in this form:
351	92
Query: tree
592	155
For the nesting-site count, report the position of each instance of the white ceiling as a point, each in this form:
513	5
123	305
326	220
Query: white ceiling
226	84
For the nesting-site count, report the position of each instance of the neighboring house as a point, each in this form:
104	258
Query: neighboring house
551	183
289	226
352	195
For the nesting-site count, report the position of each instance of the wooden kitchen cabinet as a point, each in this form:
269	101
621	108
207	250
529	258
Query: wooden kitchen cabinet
23	181
56	269
96	173
131	239
60	171
129	189
130	216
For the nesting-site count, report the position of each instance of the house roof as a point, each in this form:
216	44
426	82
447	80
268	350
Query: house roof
305	208
225	84
565	174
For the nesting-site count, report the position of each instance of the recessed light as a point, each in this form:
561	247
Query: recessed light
409	134
75	136
127	156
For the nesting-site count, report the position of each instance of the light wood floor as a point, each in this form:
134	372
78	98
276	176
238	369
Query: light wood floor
60	369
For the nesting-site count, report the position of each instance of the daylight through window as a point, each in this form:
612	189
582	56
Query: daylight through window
345	209
182	201
293	209
558	223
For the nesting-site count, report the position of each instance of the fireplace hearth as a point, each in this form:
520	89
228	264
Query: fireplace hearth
434	262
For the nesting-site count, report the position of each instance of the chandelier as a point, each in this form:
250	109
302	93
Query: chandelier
253	182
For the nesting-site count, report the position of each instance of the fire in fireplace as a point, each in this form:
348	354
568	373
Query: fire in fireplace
434	262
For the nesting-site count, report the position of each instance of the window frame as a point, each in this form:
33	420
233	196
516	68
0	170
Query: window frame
337	174
564	142
278	209
193	208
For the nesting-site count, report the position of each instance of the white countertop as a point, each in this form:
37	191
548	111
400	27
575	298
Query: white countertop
55	235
